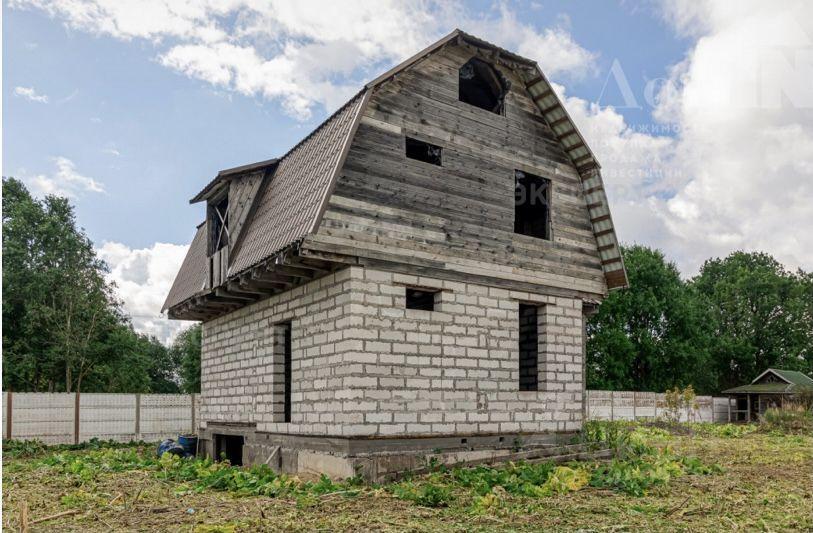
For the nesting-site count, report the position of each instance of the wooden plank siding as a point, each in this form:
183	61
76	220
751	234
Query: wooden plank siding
242	191
459	217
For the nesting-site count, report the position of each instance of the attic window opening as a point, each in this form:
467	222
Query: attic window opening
421	299
219	218
423	151
480	85
531	205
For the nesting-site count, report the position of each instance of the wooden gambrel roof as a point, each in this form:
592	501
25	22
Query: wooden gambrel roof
295	190
568	134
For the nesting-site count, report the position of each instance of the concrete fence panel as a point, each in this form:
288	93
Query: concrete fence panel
107	417
64	418
628	405
164	415
49	417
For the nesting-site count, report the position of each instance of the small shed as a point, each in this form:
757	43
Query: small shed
772	388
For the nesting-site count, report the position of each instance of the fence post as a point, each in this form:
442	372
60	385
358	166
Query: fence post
9	410
194	429
76	419
137	416
634	406
612	406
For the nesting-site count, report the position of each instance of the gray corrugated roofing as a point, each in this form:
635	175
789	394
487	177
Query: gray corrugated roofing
191	278
289	203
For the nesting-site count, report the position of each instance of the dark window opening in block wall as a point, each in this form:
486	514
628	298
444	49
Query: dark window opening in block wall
287	371
423	151
480	85
528	348
531	205
230	448
421	299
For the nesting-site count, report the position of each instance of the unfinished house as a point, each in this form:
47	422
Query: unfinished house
411	279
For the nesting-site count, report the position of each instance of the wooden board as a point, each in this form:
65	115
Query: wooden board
458	217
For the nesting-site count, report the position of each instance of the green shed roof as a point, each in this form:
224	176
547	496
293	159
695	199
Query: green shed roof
794	377
794	382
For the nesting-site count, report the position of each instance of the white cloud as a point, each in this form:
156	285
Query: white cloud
64	181
738	175
143	278
305	54
745	106
29	93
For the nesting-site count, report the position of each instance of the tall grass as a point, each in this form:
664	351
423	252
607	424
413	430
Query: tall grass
790	418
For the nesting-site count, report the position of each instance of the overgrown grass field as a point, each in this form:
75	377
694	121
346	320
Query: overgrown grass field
699	477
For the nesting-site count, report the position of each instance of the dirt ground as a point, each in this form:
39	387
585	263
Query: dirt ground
766	485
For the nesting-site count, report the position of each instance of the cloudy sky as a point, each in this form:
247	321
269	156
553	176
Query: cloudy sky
701	112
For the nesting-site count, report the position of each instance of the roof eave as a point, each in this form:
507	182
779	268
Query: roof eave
214	186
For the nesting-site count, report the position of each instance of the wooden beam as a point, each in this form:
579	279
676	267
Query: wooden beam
605	262
574	146
315	265
604	232
271	277
226	295
591	190
602	218
581	158
260	286
606	247
585	168
559	121
295	271
550	108
543	95
534	81
595	205
236	289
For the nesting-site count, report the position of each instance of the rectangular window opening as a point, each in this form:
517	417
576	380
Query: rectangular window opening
528	348
423	151
421	299
531	205
230	448
287	371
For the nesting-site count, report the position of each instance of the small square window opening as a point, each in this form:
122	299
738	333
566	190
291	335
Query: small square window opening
420	299
423	151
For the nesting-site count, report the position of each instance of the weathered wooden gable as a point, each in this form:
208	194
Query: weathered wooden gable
458	218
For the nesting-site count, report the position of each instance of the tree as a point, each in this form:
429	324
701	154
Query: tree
63	329
186	350
654	335
762	315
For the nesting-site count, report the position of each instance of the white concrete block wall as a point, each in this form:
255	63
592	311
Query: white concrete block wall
364	365
237	361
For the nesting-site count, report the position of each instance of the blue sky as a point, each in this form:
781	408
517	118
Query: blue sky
153	136
132	108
